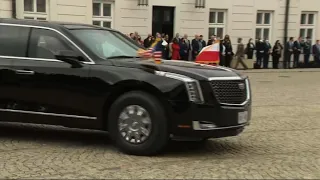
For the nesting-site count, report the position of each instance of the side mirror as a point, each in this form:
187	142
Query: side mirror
70	57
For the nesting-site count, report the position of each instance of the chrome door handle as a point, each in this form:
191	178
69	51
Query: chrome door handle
26	72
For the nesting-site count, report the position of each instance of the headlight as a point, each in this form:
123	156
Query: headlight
192	85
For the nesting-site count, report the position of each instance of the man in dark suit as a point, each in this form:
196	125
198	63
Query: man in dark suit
212	40
203	42
185	37
177	37
195	47
288	53
307	50
296	52
267	52
260	52
316	52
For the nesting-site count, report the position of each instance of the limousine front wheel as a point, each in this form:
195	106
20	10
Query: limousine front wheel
137	124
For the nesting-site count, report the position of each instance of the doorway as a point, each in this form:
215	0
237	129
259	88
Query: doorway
163	20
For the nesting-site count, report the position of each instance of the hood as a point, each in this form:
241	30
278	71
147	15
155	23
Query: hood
187	68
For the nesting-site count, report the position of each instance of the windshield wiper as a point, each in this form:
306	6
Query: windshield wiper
119	57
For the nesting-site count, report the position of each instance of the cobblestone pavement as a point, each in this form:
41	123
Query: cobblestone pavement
283	141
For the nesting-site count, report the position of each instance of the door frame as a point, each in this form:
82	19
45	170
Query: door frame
173	10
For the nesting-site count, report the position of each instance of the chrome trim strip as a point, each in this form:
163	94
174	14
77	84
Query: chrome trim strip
196	126
224	78
232	107
42	27
224	68
48	114
25	72
37	59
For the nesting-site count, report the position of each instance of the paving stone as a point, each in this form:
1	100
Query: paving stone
283	141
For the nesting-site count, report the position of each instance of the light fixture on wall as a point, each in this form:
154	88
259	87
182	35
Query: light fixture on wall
200	4
143	2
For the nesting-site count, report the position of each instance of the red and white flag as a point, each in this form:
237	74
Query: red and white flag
209	54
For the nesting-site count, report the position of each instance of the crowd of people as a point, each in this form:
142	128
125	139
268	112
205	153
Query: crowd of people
181	48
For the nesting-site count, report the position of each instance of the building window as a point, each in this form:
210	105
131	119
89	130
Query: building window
217	22
35	9
307	24
102	14
263	25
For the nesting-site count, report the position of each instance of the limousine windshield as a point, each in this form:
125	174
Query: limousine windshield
107	44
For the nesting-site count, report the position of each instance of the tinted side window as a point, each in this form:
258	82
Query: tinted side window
46	44
13	40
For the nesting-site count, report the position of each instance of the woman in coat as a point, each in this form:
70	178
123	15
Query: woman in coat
175	50
276	54
228	51
250	48
183	49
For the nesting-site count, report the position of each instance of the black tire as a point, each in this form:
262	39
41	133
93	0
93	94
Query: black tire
159	135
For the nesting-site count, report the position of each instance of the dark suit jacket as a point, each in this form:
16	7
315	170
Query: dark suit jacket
315	51
267	48
147	43
189	45
203	43
260	47
195	45
306	47
209	42
297	47
228	46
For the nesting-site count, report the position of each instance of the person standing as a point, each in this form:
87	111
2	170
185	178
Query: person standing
307	50
203	42
177	37
212	40
175	50
250	48
159	44
260	52
228	51
296	52
316	52
166	51
187	41
276	54
222	53
183	49
240	54
132	36
148	41
195	47
267	52
288	51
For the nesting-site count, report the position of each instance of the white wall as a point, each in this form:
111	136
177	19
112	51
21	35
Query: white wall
129	17
5	8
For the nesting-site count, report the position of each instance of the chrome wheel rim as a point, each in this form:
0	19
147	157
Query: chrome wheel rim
134	124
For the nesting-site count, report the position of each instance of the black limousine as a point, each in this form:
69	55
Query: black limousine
89	77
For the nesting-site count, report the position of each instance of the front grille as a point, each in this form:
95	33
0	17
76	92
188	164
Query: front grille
230	91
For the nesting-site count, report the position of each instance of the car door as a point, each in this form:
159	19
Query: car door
49	90
13	45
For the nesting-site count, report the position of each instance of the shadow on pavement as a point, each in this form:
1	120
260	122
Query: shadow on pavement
75	137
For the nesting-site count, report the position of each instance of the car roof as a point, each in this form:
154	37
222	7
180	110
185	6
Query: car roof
52	24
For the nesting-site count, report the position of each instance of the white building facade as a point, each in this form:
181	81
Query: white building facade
238	18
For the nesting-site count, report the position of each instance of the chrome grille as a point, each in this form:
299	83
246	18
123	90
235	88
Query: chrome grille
230	91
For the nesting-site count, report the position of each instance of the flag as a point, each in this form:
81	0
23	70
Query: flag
209	54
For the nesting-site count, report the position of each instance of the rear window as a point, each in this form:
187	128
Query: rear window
13	40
